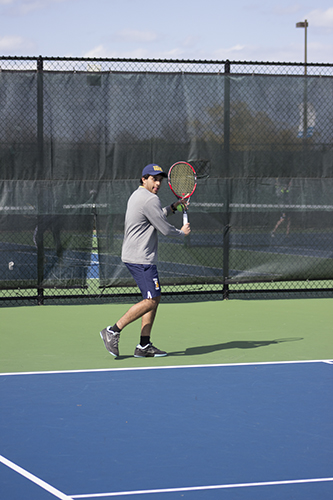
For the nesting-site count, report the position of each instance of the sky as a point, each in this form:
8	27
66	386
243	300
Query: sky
238	30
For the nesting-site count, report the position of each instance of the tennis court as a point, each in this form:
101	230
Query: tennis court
240	409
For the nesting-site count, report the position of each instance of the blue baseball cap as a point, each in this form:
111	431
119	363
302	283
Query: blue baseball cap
153	169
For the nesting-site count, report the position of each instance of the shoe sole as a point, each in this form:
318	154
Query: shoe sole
114	355
155	356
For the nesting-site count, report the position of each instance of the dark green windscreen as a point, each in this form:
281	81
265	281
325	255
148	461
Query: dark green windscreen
72	147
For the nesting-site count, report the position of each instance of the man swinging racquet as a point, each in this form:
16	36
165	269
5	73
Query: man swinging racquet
144	217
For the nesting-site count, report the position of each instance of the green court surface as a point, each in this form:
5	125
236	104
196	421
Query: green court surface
48	338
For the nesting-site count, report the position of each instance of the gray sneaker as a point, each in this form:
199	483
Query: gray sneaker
111	341
148	351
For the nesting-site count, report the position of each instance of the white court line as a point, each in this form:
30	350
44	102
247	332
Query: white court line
169	367
34	479
205	488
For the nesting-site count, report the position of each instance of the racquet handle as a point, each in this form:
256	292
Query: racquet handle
185	218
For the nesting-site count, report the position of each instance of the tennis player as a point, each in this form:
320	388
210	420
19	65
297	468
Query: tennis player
283	192
144	218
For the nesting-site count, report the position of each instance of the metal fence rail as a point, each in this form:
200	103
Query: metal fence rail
75	133
75	64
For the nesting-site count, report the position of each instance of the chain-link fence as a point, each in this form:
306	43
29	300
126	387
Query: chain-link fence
76	133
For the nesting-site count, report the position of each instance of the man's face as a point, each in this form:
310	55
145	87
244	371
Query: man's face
153	183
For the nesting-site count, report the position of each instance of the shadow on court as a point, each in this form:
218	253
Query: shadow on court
236	344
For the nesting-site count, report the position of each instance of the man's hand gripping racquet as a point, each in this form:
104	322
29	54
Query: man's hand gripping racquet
182	180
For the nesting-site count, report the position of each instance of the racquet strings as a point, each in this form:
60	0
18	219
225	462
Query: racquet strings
182	179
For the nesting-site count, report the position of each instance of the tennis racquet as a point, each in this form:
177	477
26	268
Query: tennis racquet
182	180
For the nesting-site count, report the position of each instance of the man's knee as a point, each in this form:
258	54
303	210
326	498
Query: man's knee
153	303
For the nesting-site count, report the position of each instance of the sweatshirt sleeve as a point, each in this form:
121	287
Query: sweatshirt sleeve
167	211
157	217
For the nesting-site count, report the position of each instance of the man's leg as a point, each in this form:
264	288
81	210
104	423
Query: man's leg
277	224
147	280
147	321
288	225
145	309
146	349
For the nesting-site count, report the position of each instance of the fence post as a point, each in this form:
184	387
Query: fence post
226	242
40	149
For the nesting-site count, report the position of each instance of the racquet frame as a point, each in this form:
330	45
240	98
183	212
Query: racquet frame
183	195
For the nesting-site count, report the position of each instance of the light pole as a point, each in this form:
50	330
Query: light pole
304	24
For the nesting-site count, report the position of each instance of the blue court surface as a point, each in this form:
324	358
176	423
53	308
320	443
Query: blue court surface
249	431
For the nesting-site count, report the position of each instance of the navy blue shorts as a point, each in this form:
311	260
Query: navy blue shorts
146	277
